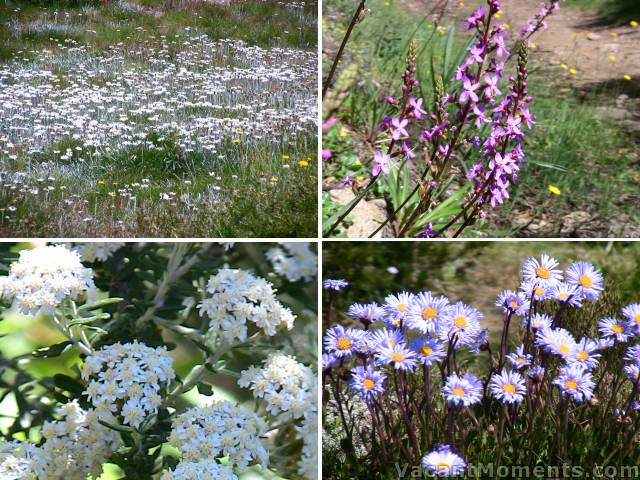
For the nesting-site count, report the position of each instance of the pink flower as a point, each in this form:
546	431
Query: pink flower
381	163
398	128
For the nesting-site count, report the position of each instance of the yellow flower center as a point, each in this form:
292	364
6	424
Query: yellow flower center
543	272
368	384
460	321
396	323
564	349
563	296
585	281
509	388
402	307
582	355
521	360
539	291
637	318
426	351
571	384
397	357
458	392
429	313
392	342
344	343
514	304
617	328
442	466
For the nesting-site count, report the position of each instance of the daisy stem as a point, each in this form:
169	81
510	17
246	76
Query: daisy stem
504	340
405	416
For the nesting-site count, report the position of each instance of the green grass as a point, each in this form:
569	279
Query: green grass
574	145
614	11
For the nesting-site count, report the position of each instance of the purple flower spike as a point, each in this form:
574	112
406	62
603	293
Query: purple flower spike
469	91
416	107
398	128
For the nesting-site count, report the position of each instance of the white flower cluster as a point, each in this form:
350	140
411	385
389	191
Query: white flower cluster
127	380
101	251
75	446
202	470
239	297
219	430
294	260
44	277
308	433
287	386
15	460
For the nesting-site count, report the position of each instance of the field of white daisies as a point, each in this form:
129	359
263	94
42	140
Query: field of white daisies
479	360
137	118
158	361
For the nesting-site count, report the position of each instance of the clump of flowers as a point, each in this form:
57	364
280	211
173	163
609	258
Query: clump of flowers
127	380
239	299
75	446
16	460
286	386
294	260
202	470
219	430
97	251
44	278
427	373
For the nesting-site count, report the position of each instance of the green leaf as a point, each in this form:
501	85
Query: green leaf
117	428
87	320
101	303
68	384
53	350
331	220
205	389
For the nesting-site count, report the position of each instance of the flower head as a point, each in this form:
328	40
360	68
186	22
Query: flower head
398	356
543	272
567	293
207	469
462	323
611	327
397	307
575	382
342	342
633	373
556	340
443	462
511	301
584	354
294	260
425	313
335	285
385	338
508	387
587	278
632	314
539	321
465	390
428	350
519	359
367	382
366	313
380	163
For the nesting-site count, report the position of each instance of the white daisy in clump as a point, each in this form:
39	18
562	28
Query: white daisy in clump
632	354
44	278
343	342
519	359
534	290
426	312
396	308
295	261
429	350
16	459
617	329
633	373
240	300
219	430
127	380
543	272
587	278
385	338
287	387
632	314
462	391
399	357
460	323
75	446
97	251
556	340
508	387
443	462
567	293
203	470
539	321
585	354
511	301
366	313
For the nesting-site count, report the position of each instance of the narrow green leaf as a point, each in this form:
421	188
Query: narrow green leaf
101	303
52	350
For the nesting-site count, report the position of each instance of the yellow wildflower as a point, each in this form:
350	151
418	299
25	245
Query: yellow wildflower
303	163
563	66
633	23
555	190
573	71
627	77
612	58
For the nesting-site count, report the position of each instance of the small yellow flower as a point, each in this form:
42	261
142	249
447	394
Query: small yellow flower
498	14
506	26
563	66
387	4
627	77
360	178
358	162
612	58
441	30
236	141
343	132
573	71
285	157
274	179
633	23
239	132
555	190
534	45
614	34
303	163
100	182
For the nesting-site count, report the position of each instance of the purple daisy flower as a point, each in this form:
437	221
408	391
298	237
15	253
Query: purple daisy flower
539	321
396	307
632	313
442	462
367	382
536	373
543	272
342	342
511	301
633	373
519	359
465	390
566	292
425	312
366	313
335	285
556	340
633	354
508	387
462	322
429	350
575	382
584	354
385	338
587	278
328	361
611	327
399	356
533	290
